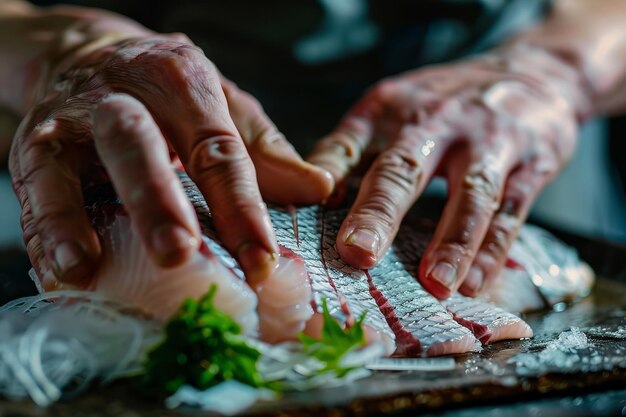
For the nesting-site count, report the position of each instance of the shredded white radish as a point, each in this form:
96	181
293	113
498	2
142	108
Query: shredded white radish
285	362
296	370
55	344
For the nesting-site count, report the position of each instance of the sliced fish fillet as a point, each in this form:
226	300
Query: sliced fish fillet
488	322
128	274
422	326
399	312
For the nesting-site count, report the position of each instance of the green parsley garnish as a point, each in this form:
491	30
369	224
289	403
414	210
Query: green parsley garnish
201	348
334	343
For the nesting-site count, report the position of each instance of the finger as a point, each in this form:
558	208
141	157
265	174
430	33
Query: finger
137	160
48	171
197	122
34	247
283	176
388	190
343	149
475	180
521	189
381	114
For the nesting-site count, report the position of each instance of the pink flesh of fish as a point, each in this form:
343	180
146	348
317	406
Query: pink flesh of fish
128	274
284	300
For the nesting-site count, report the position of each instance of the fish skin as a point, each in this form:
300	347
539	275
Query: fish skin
399	312
411	312
488	322
348	286
421	325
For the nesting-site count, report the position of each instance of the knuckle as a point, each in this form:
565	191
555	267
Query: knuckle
269	138
36	252
385	89
342	143
27	222
379	206
186	61
501	234
400	167
180	37
51	217
217	154
21	193
125	132
484	186
341	148
119	123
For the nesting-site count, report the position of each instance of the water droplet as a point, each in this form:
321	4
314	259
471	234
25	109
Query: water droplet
428	147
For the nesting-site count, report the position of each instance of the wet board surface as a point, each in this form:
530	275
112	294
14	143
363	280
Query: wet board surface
496	377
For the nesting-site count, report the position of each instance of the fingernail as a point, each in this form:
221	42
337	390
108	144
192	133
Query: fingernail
171	243
444	273
256	261
474	280
366	239
67	256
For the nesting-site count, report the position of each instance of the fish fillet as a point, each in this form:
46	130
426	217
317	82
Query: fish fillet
398	311
488	322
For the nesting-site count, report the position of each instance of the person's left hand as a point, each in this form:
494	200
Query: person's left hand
496	133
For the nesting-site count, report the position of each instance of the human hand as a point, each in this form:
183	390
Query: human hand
497	127
122	112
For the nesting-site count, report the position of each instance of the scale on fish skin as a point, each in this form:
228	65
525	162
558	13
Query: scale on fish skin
293	212
407	343
342	301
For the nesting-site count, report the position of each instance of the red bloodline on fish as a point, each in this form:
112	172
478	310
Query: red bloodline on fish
513	264
342	301
481	332
406	343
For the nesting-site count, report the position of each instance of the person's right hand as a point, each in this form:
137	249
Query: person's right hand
122	112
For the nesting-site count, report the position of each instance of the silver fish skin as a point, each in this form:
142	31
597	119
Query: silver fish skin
396	306
488	322
398	309
421	324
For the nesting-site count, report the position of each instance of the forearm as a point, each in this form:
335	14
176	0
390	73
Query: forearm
36	42
590	37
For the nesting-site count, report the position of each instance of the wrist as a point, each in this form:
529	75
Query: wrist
548	71
590	38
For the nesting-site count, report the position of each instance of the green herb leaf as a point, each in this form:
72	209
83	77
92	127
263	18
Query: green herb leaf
201	348
334	343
